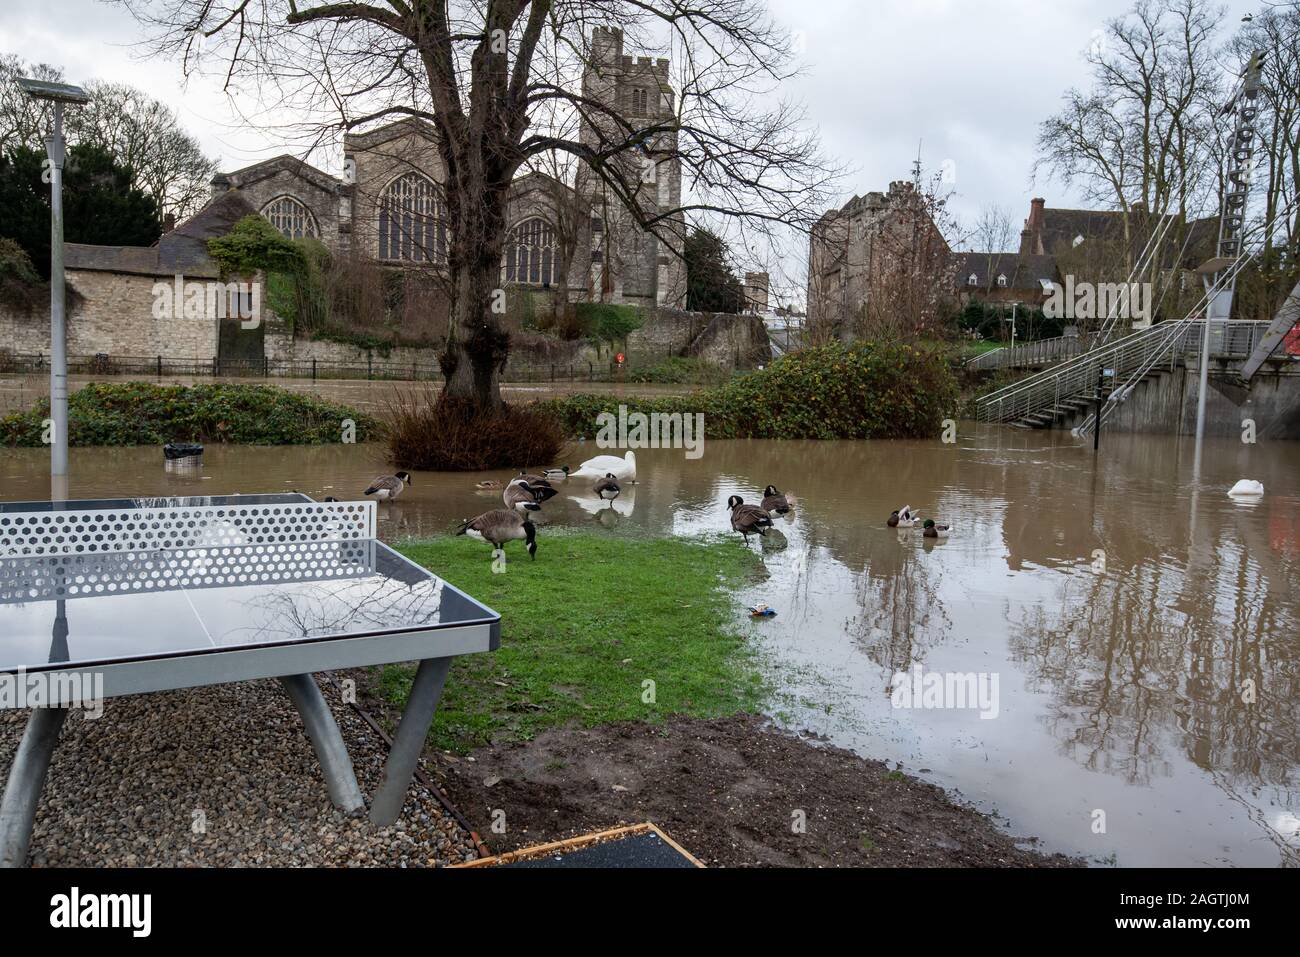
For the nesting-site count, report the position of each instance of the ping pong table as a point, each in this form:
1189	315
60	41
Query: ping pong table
132	596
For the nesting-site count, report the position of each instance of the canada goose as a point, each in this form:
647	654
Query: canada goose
623	469
748	519
902	518
500	526
522	495
389	486
774	501
931	530
607	488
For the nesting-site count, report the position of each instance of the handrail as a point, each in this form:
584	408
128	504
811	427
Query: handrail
1140	350
1027	353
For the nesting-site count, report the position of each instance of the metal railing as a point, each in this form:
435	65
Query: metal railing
374	367
1163	343
1035	353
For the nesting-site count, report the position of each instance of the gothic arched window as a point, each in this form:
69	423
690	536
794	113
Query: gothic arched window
411	221
531	255
291	217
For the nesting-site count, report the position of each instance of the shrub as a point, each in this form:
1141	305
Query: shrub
606	321
860	391
429	432
139	413
253	244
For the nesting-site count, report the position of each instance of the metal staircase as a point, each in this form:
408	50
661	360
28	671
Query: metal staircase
1067	390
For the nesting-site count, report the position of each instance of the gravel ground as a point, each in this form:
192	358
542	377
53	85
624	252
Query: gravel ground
221	776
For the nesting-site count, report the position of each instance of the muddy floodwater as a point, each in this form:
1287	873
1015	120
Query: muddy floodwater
1142	627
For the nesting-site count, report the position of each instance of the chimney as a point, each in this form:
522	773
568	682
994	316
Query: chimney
169	222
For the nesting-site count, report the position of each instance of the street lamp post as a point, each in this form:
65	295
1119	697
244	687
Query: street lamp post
58	94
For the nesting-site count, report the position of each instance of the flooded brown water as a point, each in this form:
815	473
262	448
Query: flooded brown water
1120	689
19	392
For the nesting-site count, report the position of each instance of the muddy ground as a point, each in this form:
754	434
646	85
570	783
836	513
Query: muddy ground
732	791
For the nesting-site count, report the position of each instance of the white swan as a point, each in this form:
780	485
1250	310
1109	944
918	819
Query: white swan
1247	488
624	469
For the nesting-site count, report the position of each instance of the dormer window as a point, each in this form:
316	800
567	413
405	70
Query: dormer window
972	280
1002	281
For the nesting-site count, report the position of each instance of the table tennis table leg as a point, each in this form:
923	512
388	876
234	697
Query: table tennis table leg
408	743
326	739
26	778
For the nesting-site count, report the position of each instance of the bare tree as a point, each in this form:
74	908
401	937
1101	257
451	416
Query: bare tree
992	236
140	132
1140	140
481	72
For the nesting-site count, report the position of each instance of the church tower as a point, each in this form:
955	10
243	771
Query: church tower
630	264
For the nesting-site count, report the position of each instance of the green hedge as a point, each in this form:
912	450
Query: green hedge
138	413
859	391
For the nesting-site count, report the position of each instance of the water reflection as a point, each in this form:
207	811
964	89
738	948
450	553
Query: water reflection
1145	627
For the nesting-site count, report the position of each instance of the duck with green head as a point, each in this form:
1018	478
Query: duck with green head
931	530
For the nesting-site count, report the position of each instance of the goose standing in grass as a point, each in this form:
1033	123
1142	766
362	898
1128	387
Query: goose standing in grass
388	487
607	488
623	469
931	530
775	501
902	518
748	519
500	526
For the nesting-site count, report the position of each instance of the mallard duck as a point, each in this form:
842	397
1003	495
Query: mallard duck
623	469
500	526
931	530
607	488
557	474
902	518
774	501
389	486
490	485
748	519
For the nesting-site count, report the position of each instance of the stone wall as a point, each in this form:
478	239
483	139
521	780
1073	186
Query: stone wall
111	313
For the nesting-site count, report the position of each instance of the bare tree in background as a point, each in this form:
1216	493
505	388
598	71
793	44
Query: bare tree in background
993	236
139	131
1140	139
481	72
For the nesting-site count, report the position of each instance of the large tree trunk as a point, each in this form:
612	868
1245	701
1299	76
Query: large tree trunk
477	342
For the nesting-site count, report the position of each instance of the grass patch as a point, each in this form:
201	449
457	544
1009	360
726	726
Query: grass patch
582	628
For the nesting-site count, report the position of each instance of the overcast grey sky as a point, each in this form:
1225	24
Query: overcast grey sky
967	79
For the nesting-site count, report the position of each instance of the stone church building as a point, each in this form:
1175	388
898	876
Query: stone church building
387	202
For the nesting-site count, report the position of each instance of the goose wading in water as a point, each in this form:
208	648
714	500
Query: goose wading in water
748	519
607	488
774	501
623	469
388	487
522	496
500	526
